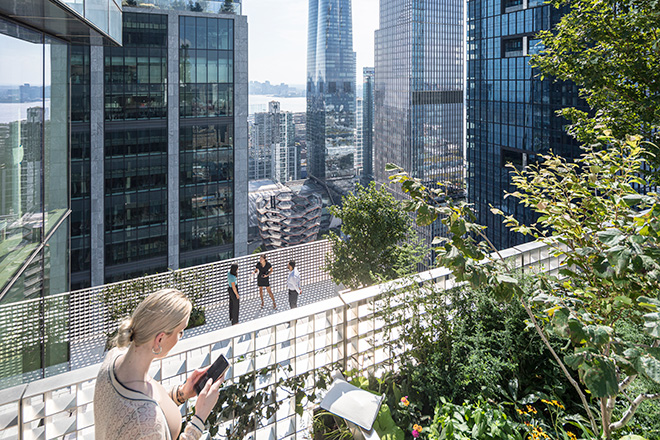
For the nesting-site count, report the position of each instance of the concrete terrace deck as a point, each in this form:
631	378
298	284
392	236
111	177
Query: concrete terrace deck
90	351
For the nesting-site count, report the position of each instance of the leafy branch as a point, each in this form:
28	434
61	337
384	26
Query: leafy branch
590	213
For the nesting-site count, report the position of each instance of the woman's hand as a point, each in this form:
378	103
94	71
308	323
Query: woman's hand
187	390
208	397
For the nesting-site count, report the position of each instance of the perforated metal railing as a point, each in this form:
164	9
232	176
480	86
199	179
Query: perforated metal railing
346	329
82	315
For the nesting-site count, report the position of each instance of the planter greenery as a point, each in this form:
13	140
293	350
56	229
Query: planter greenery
246	406
591	215
122	298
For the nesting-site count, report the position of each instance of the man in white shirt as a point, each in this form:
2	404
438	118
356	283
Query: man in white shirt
293	284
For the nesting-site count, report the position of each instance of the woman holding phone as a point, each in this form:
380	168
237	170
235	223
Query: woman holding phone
128	402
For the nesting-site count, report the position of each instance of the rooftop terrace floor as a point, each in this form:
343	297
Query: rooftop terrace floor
90	351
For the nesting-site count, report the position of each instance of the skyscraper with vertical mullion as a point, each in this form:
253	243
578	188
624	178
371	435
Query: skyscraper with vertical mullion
368	123
161	178
418	91
330	90
510	110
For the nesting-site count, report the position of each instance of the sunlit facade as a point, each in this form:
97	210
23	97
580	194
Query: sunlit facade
160	175
418	90
368	75
330	90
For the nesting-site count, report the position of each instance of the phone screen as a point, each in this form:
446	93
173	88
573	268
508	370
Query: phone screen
214	372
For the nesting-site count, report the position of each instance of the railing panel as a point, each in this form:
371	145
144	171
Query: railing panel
346	329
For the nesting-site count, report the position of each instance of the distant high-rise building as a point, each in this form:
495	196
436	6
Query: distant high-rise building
359	141
418	91
162	175
368	122
510	110
330	90
273	151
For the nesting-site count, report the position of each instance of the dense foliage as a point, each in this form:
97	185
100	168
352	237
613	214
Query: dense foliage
377	242
464	343
592	215
611	50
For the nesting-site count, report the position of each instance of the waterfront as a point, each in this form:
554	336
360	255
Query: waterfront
259	103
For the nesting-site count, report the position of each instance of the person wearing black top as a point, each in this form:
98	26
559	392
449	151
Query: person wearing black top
264	269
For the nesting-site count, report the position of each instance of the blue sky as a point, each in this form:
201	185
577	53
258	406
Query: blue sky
278	38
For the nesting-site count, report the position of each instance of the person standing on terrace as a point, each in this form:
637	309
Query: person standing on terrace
128	403
232	290
293	284
264	269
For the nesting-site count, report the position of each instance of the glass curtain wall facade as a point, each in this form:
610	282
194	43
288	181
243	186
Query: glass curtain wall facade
359	140
34	164
80	169
368	75
168	157
418	90
206	139
510	111
330	90
135	149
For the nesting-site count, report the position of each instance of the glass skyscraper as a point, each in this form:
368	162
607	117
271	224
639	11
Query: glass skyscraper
510	111
36	136
330	90
368	75
418	91
159	180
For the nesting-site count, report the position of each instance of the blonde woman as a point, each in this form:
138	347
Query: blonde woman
130	404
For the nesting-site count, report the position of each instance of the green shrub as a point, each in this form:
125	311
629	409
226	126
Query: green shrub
466	344
472	421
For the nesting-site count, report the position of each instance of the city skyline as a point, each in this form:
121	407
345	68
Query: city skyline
270	44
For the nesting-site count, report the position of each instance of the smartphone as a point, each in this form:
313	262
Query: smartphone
214	372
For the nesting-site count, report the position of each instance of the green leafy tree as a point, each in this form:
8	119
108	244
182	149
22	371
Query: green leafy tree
608	234
379	239
611	50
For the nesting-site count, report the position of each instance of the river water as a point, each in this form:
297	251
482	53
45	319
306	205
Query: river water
259	103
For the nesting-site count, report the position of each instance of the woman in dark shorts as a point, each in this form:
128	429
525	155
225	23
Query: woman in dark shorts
264	269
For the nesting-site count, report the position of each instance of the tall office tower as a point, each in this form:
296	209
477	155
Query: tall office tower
510	111
273	151
260	166
418	91
330	90
359	142
168	146
368	123
35	208
287	156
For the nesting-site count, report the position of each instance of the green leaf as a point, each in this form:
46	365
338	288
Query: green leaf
600	377
652	324
649	366
633	199
648	303
575	360
392	167
385	426
610	237
576	331
560	322
619	257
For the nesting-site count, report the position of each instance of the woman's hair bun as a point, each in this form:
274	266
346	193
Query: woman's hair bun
125	333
